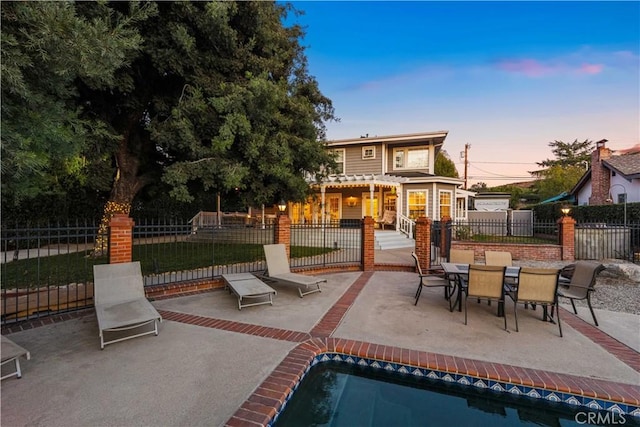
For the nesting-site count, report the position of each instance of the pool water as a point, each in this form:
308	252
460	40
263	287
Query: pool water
338	394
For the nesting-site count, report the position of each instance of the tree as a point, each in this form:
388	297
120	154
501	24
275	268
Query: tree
562	173
444	166
556	180
568	154
220	96
46	49
478	187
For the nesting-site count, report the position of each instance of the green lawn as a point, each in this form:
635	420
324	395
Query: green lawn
77	267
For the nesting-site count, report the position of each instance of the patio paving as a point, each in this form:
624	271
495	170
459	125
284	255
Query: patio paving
211	359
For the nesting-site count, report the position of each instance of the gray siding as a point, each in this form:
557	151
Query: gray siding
355	164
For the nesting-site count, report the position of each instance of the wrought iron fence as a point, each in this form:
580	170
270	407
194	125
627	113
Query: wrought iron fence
505	231
47	268
329	244
600	241
173	251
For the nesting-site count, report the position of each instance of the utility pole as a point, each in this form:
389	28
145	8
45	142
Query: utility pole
466	163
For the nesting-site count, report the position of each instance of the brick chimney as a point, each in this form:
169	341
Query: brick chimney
600	176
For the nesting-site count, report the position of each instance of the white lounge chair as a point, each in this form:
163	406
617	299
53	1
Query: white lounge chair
278	271
12	352
121	304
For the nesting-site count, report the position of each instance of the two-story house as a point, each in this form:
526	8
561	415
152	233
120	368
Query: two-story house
374	174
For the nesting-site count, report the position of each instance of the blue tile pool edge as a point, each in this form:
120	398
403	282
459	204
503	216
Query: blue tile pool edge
467	380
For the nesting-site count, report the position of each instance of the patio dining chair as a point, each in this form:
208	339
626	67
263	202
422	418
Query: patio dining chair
431	281
485	282
582	284
501	258
461	256
536	286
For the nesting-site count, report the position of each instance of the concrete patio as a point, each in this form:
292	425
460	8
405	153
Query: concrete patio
210	358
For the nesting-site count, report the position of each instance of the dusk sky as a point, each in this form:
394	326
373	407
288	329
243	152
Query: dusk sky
505	77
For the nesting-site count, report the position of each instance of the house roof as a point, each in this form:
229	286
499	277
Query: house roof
627	165
437	138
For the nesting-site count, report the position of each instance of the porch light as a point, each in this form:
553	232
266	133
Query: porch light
282	206
351	202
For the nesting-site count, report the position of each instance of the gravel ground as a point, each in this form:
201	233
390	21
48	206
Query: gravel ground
613	291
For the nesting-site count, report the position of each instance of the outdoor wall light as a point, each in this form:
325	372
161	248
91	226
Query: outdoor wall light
351	202
282	206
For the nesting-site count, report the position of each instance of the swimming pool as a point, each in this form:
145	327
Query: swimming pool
359	392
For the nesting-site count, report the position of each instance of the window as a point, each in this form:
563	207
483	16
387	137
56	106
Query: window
416	203
411	158
461	208
444	204
369	152
339	158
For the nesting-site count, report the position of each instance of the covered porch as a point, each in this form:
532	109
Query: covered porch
341	198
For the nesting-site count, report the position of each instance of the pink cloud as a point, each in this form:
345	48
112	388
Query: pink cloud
528	67
591	68
535	68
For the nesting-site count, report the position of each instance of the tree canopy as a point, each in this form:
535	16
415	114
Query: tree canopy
192	96
47	48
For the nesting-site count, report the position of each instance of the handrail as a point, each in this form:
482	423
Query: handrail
203	219
405	225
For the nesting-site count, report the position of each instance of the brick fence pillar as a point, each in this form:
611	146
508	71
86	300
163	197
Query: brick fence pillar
368	244
283	233
120	238
423	241
566	236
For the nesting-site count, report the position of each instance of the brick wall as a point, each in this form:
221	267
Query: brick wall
600	177
518	251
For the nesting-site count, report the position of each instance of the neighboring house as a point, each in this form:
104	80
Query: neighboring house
611	178
381	173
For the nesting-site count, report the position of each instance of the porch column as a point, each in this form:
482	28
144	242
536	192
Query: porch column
371	190
399	202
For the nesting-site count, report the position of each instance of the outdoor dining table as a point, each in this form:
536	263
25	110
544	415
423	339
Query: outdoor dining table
461	274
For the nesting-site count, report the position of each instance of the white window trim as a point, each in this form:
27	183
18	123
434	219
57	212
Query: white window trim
406	155
451	207
368	147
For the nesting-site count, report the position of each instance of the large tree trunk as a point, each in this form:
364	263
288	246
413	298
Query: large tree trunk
126	185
